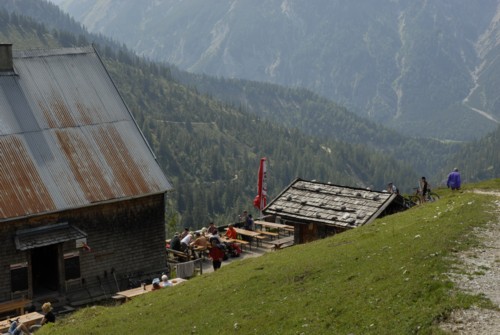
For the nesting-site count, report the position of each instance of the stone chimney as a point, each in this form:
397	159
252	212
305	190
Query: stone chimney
6	64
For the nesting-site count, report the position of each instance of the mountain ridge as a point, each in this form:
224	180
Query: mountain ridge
405	64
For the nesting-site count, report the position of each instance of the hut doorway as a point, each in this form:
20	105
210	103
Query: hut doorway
45	269
308	232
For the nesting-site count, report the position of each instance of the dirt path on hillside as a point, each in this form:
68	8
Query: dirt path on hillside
480	275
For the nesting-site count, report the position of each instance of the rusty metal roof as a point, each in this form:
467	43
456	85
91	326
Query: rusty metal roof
341	206
67	139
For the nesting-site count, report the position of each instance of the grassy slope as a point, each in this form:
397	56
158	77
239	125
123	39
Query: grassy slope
385	278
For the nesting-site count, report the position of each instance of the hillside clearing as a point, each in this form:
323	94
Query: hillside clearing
390	277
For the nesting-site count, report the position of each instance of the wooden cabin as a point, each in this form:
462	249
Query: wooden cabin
317	210
82	197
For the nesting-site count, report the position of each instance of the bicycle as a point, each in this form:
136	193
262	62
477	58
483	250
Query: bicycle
410	200
428	197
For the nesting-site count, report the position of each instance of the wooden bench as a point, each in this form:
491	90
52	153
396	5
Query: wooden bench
259	238
282	242
268	233
17	305
240	242
178	254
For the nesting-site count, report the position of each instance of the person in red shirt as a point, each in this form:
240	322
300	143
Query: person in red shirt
217	255
231	232
234	249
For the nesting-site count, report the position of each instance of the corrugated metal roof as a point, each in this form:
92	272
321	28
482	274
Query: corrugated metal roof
67	139
340	206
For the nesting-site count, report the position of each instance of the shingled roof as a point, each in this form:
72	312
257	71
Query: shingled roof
67	139
340	206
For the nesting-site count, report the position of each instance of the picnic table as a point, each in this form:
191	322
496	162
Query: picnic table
249	233
272	225
134	292
28	319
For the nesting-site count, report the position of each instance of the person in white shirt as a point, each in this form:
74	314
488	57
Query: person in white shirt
165	282
186	241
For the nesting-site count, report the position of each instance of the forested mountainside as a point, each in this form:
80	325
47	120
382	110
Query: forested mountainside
319	117
425	68
209	149
480	160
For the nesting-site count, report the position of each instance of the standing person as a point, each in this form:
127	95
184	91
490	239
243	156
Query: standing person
454	180
217	255
249	224
243	219
423	188
391	188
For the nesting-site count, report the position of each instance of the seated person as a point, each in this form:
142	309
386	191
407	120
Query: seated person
164	281
204	231
17	328
234	248
212	228
186	242
215	236
200	243
175	243
48	317
184	233
156	284
231	232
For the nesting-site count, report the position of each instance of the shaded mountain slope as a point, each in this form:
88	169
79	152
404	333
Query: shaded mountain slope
415	66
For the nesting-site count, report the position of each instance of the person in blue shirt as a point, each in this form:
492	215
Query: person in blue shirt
17	328
454	182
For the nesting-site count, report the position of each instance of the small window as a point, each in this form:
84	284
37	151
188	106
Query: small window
72	265
19	277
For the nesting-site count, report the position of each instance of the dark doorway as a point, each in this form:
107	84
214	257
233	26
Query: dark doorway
308	232
44	265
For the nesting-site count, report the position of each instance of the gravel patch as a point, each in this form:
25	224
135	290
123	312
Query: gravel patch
481	275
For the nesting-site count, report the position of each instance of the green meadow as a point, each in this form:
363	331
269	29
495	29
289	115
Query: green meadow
389	277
